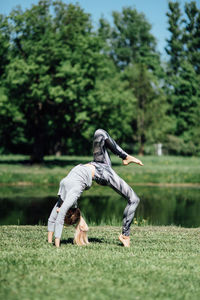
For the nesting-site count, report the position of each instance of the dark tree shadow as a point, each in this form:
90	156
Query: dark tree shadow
52	163
16	162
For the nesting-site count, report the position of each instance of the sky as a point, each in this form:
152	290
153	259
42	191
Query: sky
154	10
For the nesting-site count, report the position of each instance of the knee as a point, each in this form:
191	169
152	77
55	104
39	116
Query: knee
99	132
134	200
51	220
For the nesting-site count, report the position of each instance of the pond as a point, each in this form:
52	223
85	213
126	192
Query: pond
101	205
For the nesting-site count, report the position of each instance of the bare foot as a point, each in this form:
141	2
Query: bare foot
131	159
57	242
125	240
50	237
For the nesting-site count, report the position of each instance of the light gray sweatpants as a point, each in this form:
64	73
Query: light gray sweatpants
71	188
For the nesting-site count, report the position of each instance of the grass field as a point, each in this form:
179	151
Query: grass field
157	170
162	263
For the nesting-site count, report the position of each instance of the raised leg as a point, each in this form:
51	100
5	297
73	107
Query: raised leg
102	141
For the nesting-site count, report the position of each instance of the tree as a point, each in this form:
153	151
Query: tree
60	83
133	49
11	119
150	122
186	105
115	103
4	44
183	76
49	78
175	45
130	40
192	35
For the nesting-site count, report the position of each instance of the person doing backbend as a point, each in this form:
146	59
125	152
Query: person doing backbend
99	170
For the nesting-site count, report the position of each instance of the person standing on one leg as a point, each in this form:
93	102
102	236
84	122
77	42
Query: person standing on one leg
105	175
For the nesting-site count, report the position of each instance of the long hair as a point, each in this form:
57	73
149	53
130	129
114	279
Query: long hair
73	217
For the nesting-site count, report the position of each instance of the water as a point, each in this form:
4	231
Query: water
101	205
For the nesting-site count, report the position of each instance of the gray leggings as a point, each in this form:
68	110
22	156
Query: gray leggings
71	188
105	175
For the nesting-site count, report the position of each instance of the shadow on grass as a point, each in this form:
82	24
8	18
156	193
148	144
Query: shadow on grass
15	162
91	240
68	241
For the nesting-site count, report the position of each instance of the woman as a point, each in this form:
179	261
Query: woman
100	170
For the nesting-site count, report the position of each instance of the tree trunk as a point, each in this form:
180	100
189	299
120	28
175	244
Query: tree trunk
39	139
37	156
141	144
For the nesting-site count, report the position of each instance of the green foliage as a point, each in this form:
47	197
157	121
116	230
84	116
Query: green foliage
60	80
132	41
12	123
175	46
50	77
150	121
185	98
191	35
61	83
132	48
4	44
184	80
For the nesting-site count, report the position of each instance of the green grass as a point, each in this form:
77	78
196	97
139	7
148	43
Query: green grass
162	263
165	169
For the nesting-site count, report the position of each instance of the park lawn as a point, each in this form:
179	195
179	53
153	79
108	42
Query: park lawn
156	170
162	263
